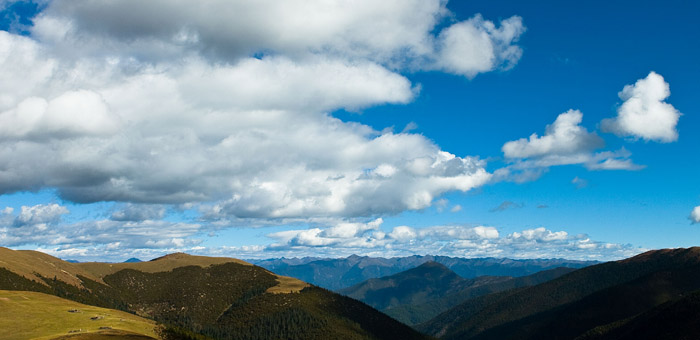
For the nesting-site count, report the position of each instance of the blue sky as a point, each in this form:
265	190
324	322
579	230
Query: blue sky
265	130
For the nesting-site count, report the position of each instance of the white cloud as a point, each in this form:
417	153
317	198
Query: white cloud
563	137
565	142
176	103
72	114
480	241
393	32
695	215
413	184
42	225
403	233
231	29
644	113
39	214
117	240
138	212
539	235
477	45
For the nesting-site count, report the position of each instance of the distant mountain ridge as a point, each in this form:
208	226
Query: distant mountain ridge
341	273
419	294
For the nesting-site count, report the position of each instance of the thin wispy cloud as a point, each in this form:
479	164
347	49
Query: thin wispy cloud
505	205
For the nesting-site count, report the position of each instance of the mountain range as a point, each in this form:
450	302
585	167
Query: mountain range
419	294
341	273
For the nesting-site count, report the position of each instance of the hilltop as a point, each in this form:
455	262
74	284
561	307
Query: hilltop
216	297
607	297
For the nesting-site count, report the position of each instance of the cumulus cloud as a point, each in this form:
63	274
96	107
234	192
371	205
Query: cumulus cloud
565	142
42	225
41	214
232	29
395	33
176	103
409	184
72	114
369	236
644	112
138	212
563	137
695	215
494	46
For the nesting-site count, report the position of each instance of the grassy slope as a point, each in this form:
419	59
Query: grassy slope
677	320
29	315
104	335
28	262
227	300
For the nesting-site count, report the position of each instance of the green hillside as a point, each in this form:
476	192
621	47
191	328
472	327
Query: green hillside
424	283
31	315
575	303
677	320
225	299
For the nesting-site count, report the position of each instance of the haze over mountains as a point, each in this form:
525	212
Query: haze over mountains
419	294
341	273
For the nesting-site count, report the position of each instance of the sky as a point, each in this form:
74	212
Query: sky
263	129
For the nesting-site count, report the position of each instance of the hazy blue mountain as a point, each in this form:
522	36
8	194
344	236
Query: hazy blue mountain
340	273
133	260
419	294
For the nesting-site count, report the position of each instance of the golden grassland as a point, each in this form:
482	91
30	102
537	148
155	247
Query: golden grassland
28	263
30	315
286	285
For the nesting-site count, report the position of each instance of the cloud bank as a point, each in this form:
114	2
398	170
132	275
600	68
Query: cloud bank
115	240
227	105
